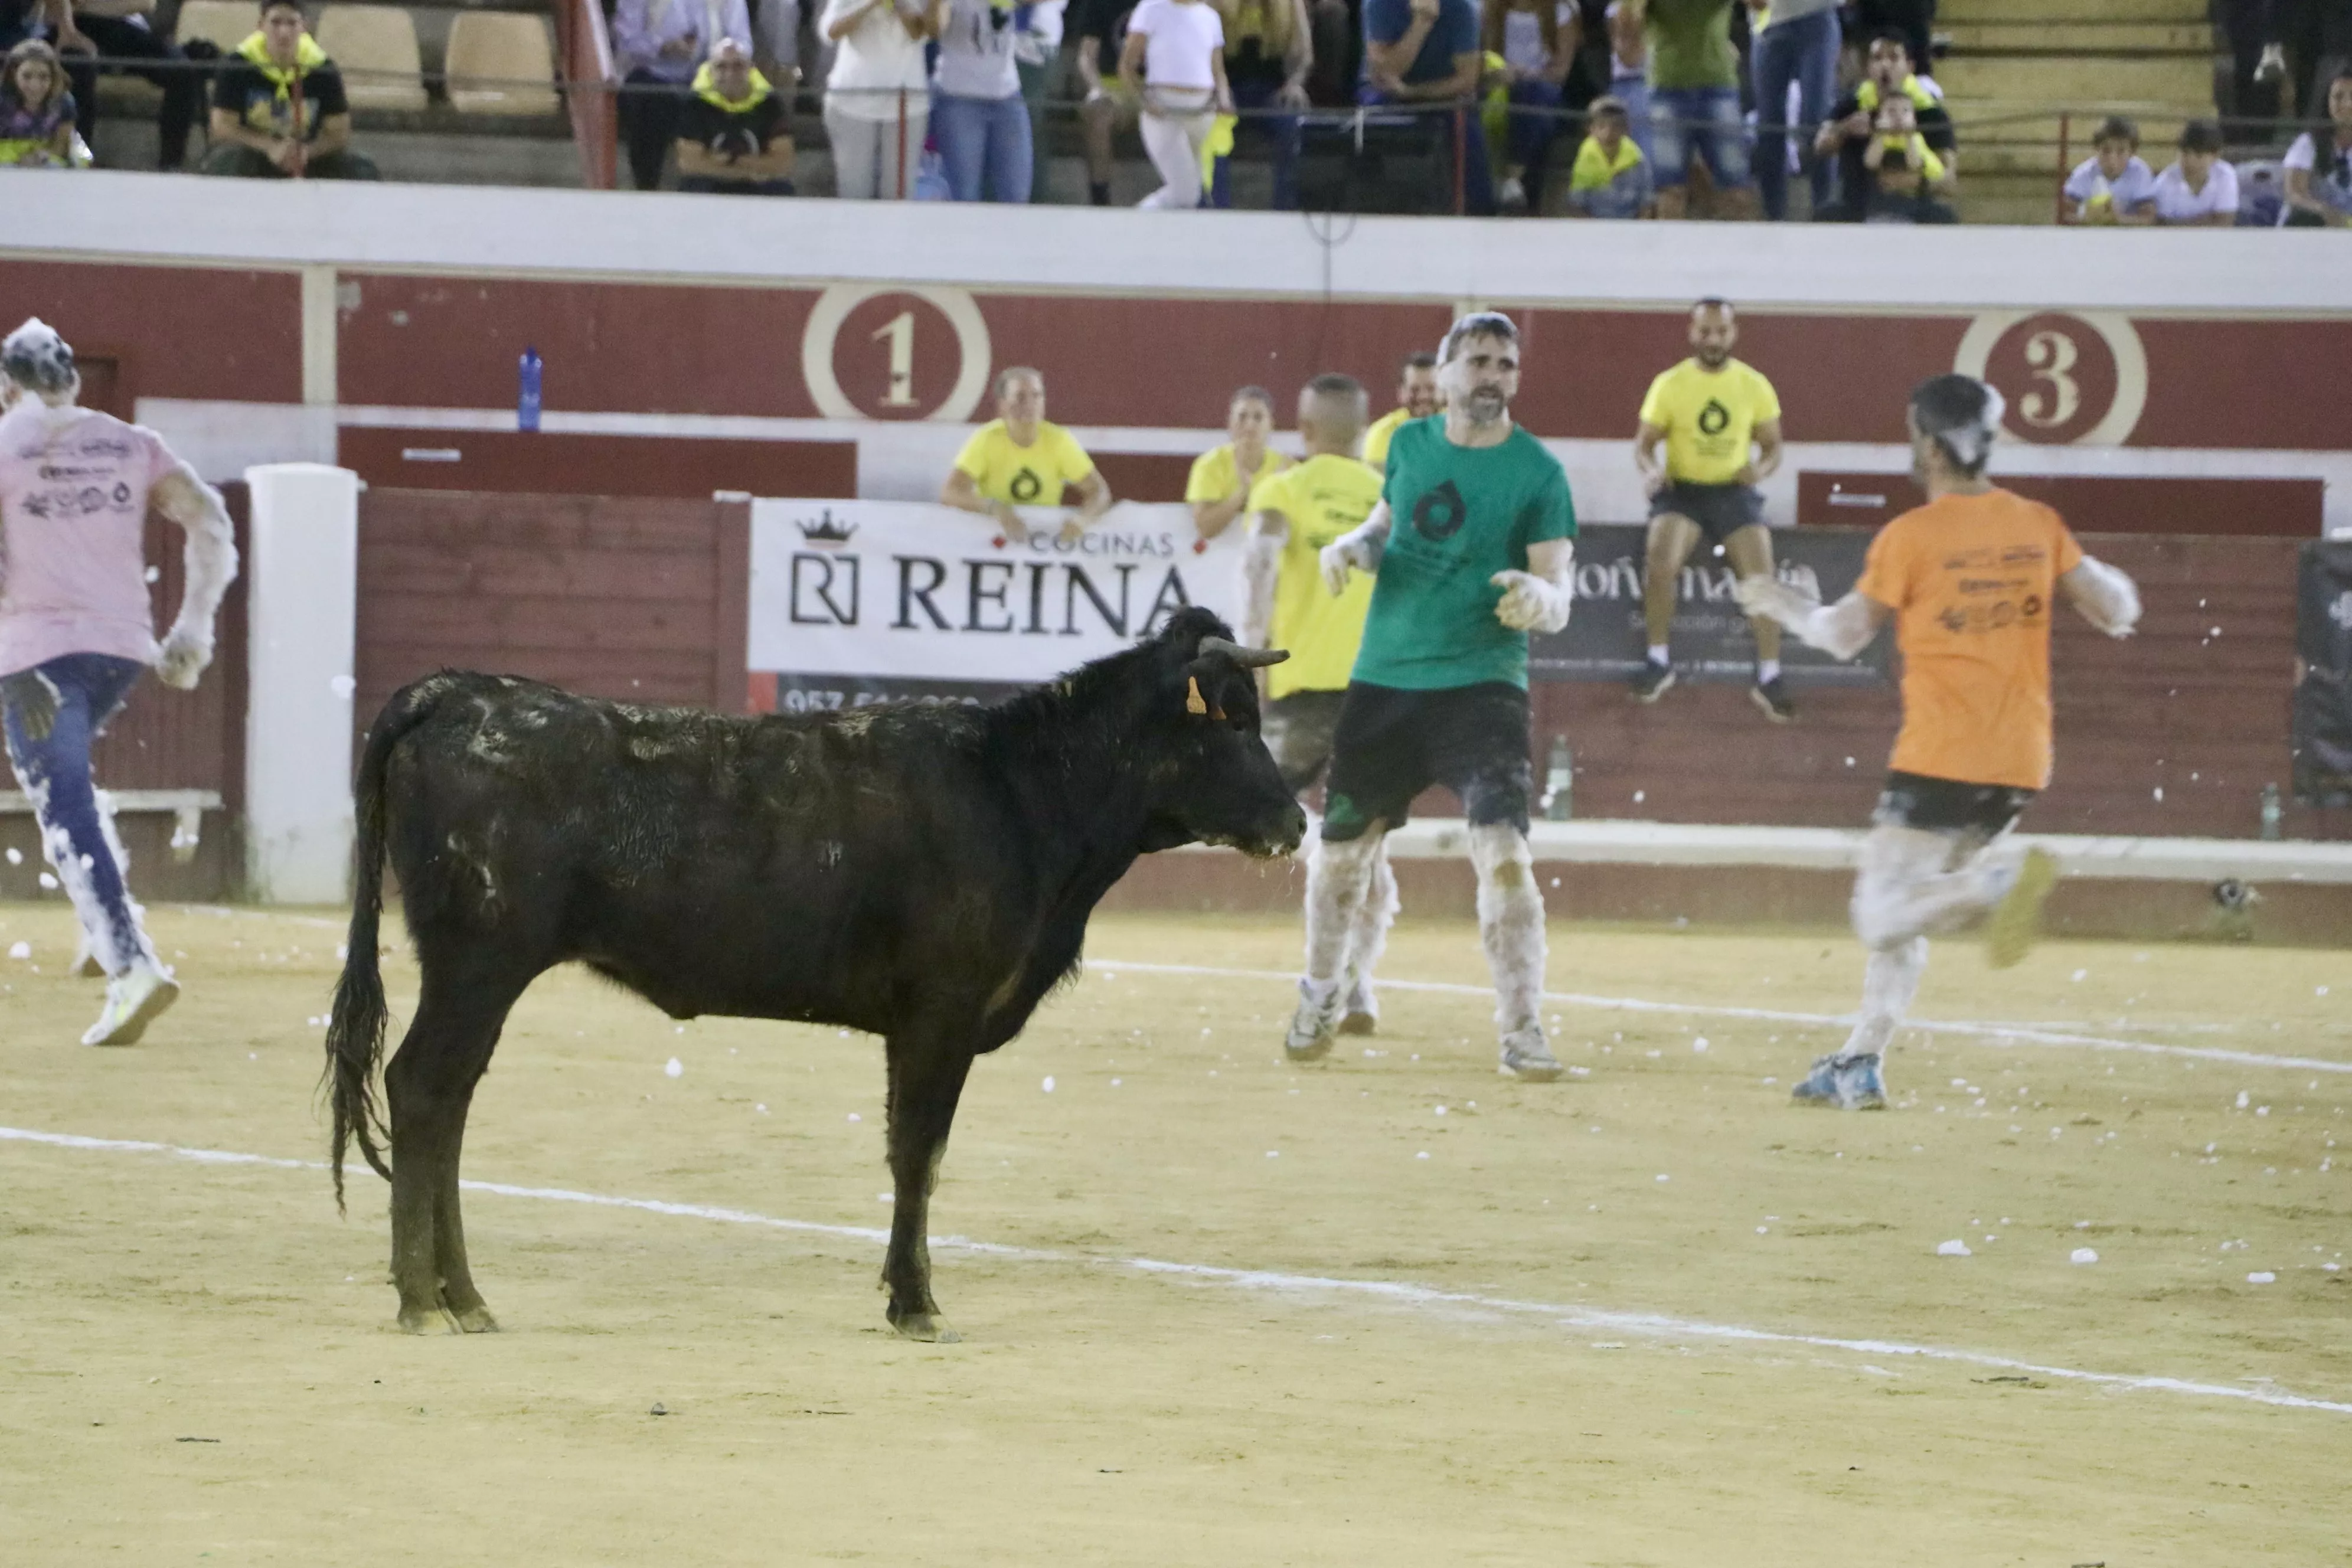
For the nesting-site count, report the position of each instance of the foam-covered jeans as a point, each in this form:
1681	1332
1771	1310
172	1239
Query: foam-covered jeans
52	714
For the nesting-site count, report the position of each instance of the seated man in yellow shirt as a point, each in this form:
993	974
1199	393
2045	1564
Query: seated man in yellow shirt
1718	422
1020	459
1417	398
1294	514
1218	489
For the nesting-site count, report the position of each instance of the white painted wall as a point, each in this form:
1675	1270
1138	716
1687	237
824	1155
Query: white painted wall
302	593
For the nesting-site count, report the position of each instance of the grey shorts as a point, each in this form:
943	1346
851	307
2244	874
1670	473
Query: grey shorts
1720	511
1299	729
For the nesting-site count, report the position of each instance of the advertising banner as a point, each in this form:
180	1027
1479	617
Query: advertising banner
856	602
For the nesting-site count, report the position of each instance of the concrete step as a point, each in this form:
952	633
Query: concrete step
1959	13
2081	37
2068	81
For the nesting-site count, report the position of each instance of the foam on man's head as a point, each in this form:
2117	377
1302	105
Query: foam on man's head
1476	325
37	359
1962	416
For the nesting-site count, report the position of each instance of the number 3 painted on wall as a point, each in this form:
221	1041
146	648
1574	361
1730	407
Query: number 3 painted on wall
2052	355
818	346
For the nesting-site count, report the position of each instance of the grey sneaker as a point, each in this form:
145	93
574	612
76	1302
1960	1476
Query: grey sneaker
1527	1054
1314	1025
1359	1009
1849	1083
1652	680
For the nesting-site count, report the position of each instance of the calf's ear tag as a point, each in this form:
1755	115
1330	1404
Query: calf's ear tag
1193	702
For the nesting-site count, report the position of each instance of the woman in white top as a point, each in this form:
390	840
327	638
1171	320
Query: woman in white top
877	97
1174	63
982	123
2200	188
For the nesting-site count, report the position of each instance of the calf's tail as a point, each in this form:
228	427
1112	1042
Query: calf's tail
355	1028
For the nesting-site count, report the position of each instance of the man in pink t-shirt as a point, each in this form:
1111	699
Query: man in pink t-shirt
75	632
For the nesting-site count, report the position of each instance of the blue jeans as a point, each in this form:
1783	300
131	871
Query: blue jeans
1531	135
983	141
1288	134
1706	120
1477	194
1804	51
51	713
1634	92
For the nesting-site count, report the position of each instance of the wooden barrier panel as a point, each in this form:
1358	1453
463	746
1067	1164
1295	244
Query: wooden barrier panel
632	598
544	463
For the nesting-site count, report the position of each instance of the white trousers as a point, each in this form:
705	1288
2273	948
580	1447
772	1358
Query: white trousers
1175	142
1912	882
866	153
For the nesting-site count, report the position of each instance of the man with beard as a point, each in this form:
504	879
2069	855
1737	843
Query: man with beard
1469	551
1417	398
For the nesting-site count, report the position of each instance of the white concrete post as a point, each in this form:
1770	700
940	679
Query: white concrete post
302	598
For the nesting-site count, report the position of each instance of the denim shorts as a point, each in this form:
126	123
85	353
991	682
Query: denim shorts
1706	120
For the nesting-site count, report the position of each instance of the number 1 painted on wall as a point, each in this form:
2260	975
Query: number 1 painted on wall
900	330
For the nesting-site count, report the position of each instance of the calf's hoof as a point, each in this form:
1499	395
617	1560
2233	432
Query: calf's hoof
928	1327
426	1320
475	1321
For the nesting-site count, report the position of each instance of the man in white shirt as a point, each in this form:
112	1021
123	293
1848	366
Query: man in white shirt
2200	189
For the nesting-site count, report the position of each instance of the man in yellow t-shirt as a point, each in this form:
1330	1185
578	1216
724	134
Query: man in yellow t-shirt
1293	515
1417	398
1218	489
1970	581
1719	423
1020	459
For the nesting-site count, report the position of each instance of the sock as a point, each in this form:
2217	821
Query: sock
1098	193
1766	670
1658	654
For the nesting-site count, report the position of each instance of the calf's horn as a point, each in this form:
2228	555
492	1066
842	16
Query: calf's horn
1247	657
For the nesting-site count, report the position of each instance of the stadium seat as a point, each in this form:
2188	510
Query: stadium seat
501	62
375	48
224	23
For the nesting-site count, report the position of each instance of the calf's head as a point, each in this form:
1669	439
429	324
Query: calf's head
1210	778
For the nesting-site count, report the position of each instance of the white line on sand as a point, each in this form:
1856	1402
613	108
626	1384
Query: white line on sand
1396	1292
1999	1033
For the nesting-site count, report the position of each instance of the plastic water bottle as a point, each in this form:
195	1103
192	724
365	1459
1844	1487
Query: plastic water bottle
2271	813
526	392
1560	783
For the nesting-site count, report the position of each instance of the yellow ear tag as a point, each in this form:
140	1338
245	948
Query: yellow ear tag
1193	700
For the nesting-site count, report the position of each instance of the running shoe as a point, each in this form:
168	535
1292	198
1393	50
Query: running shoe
1653	682
1772	697
1359	1012
1527	1054
135	999
1851	1083
1313	1027
2017	920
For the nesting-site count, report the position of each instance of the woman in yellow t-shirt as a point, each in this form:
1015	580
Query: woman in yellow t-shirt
1021	459
1219	486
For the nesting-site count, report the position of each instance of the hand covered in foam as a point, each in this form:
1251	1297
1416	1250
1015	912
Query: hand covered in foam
1532	604
184	655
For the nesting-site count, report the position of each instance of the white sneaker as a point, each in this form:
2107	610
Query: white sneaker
1527	1054
1314	1025
135	999
1360	1010
1513	193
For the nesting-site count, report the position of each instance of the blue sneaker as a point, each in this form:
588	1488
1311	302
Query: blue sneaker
1851	1083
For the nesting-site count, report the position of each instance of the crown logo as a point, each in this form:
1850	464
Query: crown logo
824	530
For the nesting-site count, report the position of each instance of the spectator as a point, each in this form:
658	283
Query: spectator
1855	123
877	96
1612	179
1036	60
980	121
1019	459
1268	57
1336	43
734	138
1913	20
1108	108
36	112
1417	398
122	30
1694	110
2199	188
2312	45
660	45
1173	64
2113	185
2248	96
278	108
1426	52
2319	166
1629	69
1796	45
1218	489
1537	41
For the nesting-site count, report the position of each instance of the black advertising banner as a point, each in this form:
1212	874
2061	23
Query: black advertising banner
1606	640
2321	727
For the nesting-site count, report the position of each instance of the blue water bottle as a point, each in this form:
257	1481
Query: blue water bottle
527	393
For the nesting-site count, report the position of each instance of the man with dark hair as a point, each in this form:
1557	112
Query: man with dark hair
1426	53
1891	113
1417	398
1710	433
1470	550
278	107
1969	579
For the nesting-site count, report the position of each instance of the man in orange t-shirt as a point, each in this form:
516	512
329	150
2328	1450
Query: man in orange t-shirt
1968	580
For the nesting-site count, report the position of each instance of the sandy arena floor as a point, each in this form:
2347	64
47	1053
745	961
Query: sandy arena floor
198	1361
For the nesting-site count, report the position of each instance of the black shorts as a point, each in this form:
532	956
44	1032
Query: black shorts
1720	511
1392	744
1297	729
1947	806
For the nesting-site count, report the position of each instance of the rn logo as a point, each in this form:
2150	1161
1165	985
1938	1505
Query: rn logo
824	589
1440	513
1026	487
1713	419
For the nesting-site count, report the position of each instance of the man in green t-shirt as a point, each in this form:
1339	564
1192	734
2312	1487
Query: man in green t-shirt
1469	551
1694	105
